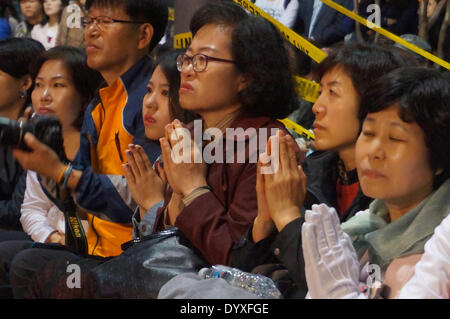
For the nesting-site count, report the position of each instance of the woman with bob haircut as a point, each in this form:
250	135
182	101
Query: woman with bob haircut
403	162
63	87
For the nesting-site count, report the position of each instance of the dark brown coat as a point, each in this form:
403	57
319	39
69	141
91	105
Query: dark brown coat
215	221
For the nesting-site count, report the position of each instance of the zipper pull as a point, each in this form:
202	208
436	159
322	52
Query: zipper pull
117	140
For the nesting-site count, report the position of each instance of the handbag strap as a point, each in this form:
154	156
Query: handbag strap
170	232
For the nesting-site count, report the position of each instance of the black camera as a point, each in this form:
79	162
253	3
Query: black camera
46	128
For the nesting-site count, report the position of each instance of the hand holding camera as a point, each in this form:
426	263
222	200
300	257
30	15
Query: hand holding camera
38	144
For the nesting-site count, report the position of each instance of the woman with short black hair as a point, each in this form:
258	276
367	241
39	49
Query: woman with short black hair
63	87
16	56
270	89
15	87
403	162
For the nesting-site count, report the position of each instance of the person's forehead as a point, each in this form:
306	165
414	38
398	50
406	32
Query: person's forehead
335	76
54	68
212	38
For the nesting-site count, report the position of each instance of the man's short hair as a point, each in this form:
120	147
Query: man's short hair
154	12
417	41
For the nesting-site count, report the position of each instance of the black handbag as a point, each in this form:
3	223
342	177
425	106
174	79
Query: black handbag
146	265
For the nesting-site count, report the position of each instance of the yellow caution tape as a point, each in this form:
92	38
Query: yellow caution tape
182	40
171	14
297	128
386	33
299	42
307	89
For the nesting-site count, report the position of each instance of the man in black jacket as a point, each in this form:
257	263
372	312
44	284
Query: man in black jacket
322	23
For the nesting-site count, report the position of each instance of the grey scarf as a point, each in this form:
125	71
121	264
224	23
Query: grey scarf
405	236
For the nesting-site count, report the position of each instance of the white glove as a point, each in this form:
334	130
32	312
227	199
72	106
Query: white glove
331	265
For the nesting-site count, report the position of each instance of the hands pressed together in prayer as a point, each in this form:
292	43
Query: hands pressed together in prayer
178	169
281	193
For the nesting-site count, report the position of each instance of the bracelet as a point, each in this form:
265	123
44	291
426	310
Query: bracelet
203	187
67	175
61	175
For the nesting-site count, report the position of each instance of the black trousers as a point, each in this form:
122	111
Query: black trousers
19	263
6	235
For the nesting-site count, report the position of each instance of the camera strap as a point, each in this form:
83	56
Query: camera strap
75	236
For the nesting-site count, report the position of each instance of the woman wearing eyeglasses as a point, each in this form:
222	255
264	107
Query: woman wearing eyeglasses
234	75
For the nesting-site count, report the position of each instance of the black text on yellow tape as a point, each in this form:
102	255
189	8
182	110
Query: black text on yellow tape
182	40
307	89
171	14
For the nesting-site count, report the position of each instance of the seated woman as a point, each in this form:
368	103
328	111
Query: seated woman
228	77
332	179
16	85
159	107
64	85
402	160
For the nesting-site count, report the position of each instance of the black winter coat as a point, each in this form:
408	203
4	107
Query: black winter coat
12	189
280	256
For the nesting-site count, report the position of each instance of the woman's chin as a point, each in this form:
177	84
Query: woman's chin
153	135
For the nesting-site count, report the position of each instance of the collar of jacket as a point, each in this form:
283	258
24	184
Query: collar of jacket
322	172
132	77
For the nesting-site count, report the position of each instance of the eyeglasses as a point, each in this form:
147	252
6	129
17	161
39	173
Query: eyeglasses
199	61
102	22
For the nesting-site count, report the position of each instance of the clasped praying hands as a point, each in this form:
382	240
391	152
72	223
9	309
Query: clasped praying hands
281	192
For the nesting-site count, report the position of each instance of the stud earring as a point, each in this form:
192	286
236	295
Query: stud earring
22	93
